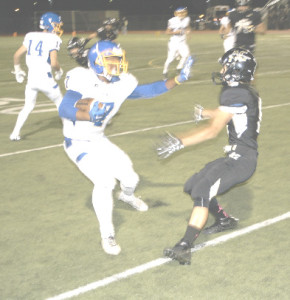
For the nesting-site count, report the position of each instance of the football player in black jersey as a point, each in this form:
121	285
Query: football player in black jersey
240	111
245	23
107	32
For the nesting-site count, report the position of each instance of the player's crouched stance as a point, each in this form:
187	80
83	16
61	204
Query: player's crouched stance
94	95
240	111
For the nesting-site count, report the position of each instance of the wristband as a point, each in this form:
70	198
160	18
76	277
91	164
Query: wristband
176	81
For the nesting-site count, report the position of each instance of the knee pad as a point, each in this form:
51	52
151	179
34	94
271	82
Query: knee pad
202	202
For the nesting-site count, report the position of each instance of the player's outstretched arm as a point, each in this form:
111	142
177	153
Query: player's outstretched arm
157	88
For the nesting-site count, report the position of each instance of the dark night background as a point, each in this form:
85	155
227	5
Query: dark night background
20	21
126	6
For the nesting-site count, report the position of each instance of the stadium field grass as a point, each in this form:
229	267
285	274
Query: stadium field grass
50	241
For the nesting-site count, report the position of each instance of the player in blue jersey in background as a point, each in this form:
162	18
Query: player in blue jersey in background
41	49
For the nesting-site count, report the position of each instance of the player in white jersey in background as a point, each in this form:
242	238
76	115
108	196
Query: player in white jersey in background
94	95
41	49
178	28
227	33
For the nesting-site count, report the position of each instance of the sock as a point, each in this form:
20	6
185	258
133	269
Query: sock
191	234
216	210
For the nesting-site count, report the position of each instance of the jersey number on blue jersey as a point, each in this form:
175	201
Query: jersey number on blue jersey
37	49
108	108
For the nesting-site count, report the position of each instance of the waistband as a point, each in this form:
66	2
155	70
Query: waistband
239	149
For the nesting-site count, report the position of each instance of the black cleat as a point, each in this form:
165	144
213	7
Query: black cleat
180	252
222	224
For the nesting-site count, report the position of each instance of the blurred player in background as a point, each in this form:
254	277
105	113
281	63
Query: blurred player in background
107	32
178	28
94	96
240	111
246	22
227	33
76	50
41	49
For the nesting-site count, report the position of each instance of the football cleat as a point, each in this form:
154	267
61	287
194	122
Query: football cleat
135	202
14	137
222	224
110	246
180	252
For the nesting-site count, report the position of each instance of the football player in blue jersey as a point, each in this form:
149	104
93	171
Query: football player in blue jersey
41	50
94	96
178	28
240	111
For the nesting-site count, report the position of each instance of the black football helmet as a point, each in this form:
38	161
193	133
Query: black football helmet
76	49
238	67
109	30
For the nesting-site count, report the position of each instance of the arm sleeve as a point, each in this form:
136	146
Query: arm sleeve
67	109
150	90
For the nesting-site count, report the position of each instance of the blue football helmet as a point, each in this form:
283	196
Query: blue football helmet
99	59
51	22
181	12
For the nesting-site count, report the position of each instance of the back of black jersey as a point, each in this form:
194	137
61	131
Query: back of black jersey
244	24
246	106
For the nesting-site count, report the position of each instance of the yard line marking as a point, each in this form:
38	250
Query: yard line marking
124	133
161	261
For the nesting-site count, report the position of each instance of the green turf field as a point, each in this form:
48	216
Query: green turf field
50	242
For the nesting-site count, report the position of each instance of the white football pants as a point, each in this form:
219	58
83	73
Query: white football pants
48	87
229	43
176	49
103	162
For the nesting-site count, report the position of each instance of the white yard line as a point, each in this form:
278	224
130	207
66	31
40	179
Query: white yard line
161	261
123	133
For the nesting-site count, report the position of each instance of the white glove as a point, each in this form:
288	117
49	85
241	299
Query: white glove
197	113
58	74
168	145
19	73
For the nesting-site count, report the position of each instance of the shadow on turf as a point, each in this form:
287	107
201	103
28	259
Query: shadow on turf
42	125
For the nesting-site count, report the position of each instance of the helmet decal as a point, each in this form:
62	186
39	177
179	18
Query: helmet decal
239	66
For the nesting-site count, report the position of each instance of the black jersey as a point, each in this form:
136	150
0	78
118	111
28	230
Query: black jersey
244	24
246	106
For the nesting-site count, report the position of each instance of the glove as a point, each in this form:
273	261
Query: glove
82	42
19	73
97	111
168	145
197	113
185	72
58	74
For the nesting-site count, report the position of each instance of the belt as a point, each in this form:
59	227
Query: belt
239	149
